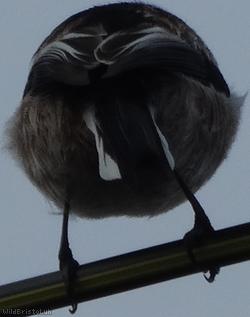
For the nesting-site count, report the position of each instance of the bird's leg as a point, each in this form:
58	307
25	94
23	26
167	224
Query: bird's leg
67	264
202	227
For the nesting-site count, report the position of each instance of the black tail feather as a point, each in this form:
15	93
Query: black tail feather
128	132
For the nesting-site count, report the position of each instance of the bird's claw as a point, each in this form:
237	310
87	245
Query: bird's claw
194	238
73	309
211	274
68	266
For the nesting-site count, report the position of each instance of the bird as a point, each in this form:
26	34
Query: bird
125	112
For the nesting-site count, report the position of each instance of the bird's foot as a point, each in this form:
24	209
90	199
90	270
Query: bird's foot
202	229
194	237
68	266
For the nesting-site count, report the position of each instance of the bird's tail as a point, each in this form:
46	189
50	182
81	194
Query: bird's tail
129	142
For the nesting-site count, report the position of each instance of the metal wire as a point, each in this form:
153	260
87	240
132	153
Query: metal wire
125	272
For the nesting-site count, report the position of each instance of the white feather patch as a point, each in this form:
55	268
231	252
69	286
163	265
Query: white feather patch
74	35
108	168
58	50
142	37
164	142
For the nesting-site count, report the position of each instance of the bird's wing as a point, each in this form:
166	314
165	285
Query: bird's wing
78	57
67	58
155	48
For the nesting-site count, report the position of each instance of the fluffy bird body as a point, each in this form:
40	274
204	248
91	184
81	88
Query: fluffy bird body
117	98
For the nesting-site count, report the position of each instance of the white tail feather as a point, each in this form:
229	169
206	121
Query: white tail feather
108	168
164	142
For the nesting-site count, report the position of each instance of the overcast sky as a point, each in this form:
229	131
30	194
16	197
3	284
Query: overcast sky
29	232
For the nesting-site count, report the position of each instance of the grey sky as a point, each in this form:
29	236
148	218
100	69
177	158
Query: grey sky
29	233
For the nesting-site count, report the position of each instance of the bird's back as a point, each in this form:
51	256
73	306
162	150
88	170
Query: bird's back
117	96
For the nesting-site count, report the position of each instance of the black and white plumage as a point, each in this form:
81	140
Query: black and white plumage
115	96
125	112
